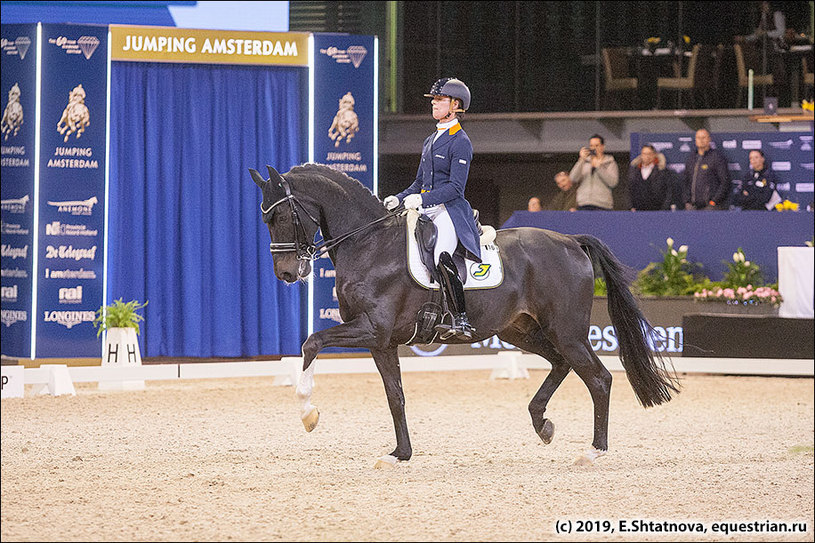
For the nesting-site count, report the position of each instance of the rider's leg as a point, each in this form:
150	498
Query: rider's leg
454	290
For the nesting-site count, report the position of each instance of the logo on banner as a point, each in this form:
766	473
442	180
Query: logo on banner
57	228
353	55
10	316
678	168
84	46
782	166
14	252
68	252
751	144
660	146
71	295
734	166
75	116
804	187
9	228
808	166
69	319
13	114
806	143
346	122
17	47
8	294
17	273
81	273
76	207
786	145
730	144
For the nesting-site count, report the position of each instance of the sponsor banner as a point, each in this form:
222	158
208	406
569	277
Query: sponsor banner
72	189
788	154
344	79
169	44
18	55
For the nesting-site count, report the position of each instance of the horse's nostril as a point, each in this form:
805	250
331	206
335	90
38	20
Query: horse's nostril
288	277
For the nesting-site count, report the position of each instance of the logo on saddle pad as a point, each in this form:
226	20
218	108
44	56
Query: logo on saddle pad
489	273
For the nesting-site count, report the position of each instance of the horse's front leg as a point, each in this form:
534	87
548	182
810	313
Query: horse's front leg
356	333
387	362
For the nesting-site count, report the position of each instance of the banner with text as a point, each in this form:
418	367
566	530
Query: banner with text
344	139
169	44
19	91
72	189
788	155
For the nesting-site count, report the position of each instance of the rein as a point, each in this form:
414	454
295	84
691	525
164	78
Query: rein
308	250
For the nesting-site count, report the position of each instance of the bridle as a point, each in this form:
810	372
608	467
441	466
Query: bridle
305	248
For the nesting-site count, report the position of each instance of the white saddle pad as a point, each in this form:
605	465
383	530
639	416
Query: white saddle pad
487	274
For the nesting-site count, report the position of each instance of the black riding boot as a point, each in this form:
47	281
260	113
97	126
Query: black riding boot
454	292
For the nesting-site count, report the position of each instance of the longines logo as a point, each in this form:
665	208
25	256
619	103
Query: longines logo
10	316
76	207
346	122
353	55
69	319
18	47
15	205
12	114
75	116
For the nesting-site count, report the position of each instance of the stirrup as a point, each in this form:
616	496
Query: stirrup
460	329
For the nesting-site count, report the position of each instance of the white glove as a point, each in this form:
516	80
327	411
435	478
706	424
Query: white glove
413	201
390	202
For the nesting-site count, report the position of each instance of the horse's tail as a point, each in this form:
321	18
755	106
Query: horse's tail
646	371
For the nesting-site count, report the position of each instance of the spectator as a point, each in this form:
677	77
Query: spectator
649	183
566	198
595	174
534	204
706	183
758	192
772	26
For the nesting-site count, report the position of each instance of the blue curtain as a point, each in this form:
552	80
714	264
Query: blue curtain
185	230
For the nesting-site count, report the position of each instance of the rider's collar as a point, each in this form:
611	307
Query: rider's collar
448	124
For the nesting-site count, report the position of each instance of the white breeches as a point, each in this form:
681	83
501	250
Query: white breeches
446	238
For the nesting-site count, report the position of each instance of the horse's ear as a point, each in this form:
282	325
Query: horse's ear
274	177
259	181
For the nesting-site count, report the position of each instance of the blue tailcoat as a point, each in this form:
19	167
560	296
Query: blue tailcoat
441	179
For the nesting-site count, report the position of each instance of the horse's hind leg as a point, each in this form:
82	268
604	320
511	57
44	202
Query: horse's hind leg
537	343
597	378
387	362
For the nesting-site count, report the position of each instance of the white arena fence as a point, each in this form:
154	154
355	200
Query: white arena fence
503	365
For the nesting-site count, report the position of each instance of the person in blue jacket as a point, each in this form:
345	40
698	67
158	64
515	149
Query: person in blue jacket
438	192
758	192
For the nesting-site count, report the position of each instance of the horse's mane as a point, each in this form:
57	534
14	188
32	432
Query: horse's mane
353	188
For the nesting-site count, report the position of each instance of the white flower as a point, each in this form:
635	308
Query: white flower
670	242
746	262
735	257
683	249
673	252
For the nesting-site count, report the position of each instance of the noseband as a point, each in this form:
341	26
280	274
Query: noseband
306	249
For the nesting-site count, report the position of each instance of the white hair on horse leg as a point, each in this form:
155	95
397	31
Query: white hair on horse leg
304	388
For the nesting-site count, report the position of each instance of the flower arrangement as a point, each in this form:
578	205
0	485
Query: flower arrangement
748	295
671	277
786	205
741	272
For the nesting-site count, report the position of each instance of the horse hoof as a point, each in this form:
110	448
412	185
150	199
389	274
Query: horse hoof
310	419
386	462
588	457
547	431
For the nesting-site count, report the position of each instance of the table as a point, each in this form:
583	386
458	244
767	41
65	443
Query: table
796	282
651	65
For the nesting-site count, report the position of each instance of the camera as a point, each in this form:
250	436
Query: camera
592	152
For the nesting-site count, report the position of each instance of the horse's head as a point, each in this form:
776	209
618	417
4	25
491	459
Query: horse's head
291	226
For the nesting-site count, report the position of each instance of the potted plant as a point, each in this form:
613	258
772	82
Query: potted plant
121	322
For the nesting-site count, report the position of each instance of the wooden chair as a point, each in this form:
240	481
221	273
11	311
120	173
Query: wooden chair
617	77
680	84
747	58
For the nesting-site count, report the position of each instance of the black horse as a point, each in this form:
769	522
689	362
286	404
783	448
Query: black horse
542	306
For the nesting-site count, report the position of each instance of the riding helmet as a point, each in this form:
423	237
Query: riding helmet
452	87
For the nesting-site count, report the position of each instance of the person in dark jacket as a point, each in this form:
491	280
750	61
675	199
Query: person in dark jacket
706	184
757	192
438	193
649	183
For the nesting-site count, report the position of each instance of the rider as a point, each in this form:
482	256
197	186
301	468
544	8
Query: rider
438	192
